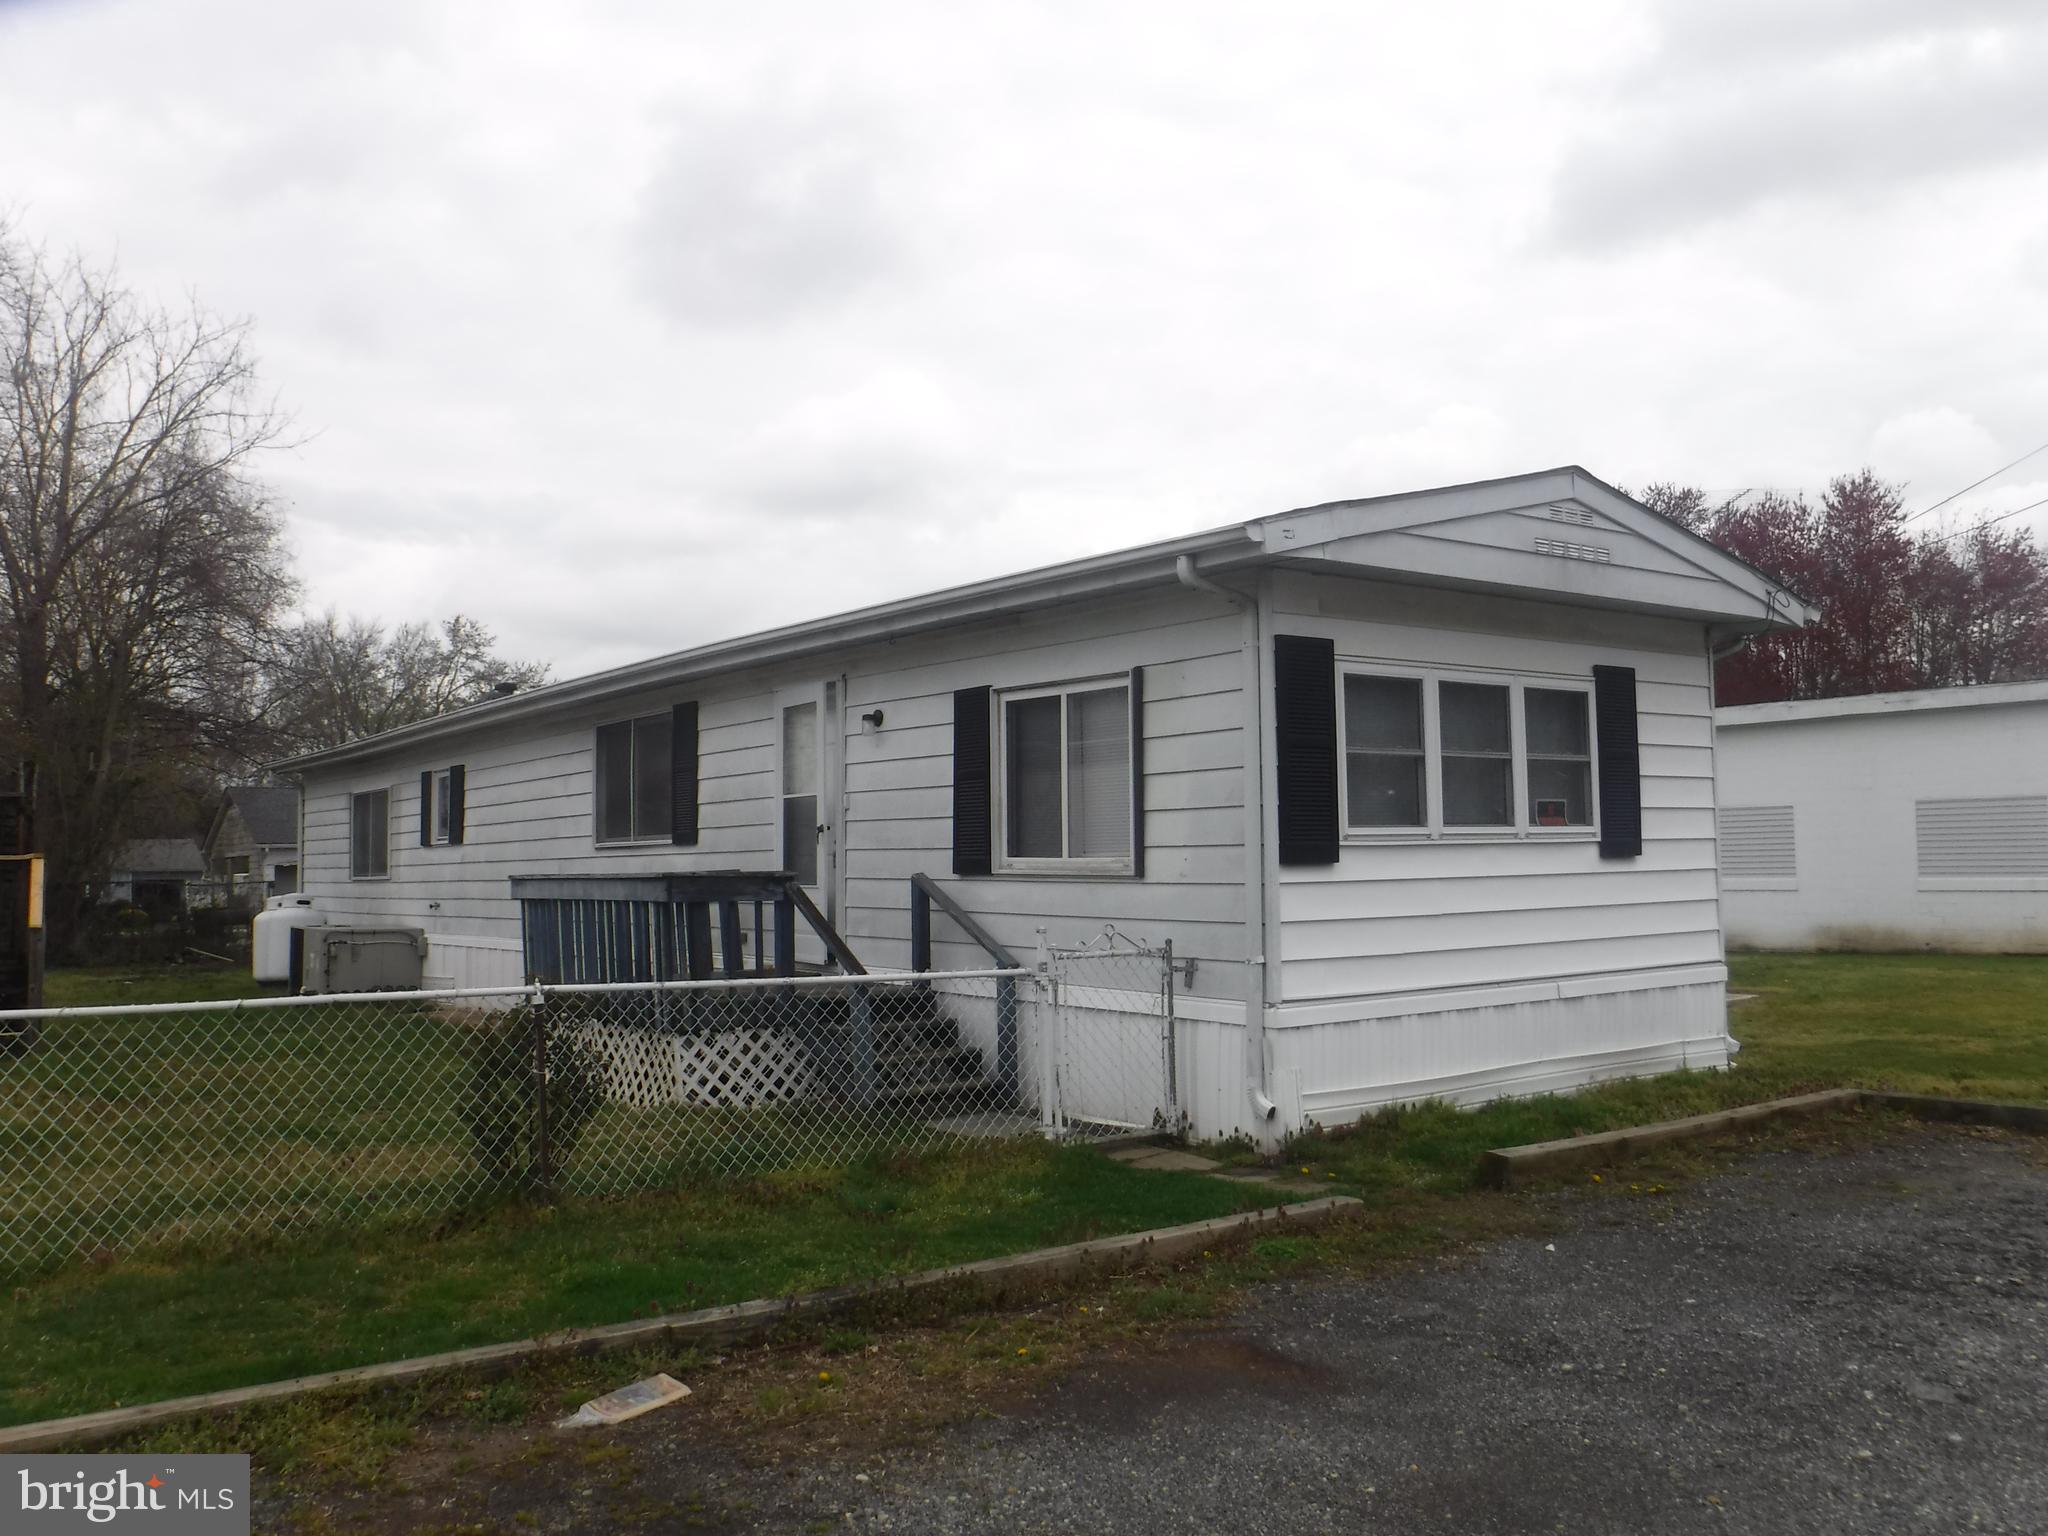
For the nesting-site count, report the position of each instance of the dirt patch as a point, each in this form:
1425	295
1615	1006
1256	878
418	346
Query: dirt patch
1121	1393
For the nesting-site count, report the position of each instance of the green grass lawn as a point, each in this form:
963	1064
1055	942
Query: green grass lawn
1972	1026
149	1328
227	1313
100	986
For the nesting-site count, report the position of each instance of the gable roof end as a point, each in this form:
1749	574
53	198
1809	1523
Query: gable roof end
1562	532
269	811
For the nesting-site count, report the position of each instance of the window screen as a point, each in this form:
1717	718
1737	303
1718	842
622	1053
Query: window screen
1031	743
1098	774
442	799
635	789
370	835
1067	774
1560	748
1478	755
1384	764
800	791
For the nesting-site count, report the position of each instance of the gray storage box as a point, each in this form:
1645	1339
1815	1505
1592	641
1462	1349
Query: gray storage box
365	959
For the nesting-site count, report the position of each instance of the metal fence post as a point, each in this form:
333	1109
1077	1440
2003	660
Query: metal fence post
543	1151
1048	1028
1170	1031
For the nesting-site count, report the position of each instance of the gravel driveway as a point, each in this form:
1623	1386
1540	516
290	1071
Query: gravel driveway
1811	1343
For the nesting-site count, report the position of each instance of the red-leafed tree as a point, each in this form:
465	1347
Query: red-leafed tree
1896	611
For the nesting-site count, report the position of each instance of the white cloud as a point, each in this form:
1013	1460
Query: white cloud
1858	102
761	216
640	325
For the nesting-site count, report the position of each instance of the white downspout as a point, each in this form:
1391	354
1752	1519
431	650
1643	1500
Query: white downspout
1254	840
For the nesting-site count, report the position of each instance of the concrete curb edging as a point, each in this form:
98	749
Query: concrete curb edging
711	1324
1932	1106
1505	1167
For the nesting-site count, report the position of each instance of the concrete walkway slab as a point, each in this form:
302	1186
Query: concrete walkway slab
1171	1159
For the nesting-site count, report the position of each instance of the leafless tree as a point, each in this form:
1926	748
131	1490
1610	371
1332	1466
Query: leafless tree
140	561
334	680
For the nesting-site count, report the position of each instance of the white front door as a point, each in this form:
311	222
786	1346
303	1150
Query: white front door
806	802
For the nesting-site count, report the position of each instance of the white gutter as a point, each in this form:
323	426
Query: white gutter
1254	839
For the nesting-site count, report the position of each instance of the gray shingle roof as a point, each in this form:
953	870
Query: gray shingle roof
160	856
269	811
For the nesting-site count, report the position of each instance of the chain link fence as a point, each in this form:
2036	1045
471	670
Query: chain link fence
1114	1061
146	1126
156	1125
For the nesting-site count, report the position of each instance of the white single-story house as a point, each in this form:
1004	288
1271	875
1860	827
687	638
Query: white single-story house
1420	787
252	846
153	873
1889	821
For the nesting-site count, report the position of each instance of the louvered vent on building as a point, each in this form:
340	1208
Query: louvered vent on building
1990	838
1757	843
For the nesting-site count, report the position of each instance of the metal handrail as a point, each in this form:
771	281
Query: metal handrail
925	892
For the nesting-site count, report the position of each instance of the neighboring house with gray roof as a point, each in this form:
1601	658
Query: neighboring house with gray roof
252	848
153	872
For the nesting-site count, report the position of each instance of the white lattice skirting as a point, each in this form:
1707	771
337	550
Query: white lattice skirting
726	1069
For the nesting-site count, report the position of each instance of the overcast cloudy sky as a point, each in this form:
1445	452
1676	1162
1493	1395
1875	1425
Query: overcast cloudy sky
624	327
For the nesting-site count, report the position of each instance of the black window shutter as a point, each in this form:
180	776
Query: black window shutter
683	774
1138	772
973	825
456	799
1621	766
427	809
1305	731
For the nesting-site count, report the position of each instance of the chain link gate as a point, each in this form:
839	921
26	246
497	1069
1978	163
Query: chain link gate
1109	1066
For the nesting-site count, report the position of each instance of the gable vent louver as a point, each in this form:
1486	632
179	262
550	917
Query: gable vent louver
1577	515
1564	549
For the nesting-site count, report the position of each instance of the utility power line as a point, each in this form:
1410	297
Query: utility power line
1963	533
2015	464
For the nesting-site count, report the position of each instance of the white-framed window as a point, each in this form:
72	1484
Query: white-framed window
369	835
1557	726
635	779
1063	782
1449	754
444	801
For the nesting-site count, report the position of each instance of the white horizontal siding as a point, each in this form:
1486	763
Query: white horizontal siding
528	810
1420	915
529	796
899	786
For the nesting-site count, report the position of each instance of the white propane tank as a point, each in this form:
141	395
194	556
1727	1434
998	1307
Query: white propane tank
270	938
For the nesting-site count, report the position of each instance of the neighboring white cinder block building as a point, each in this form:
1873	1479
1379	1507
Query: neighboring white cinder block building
1892	821
1419	787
